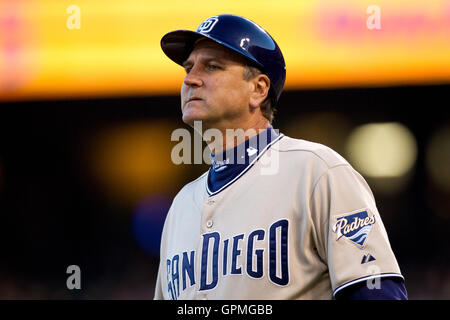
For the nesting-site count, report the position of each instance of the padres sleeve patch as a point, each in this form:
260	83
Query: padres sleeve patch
354	226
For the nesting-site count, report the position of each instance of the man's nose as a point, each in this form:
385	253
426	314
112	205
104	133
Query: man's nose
193	78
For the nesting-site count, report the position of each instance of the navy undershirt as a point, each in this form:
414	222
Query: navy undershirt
389	289
229	165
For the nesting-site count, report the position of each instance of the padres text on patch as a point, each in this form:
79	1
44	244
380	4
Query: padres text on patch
354	226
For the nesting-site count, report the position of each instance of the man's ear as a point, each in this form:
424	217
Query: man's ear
260	90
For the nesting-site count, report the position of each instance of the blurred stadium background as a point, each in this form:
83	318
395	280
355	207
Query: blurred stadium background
88	103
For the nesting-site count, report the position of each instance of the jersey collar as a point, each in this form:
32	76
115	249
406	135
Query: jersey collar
230	165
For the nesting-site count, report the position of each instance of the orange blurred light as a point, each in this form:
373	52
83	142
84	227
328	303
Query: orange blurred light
438	158
116	50
131	161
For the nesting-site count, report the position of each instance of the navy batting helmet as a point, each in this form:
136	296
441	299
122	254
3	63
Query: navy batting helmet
239	34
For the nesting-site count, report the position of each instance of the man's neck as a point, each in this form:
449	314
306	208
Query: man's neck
233	136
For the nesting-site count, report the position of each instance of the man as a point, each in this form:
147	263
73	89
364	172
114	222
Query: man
274	217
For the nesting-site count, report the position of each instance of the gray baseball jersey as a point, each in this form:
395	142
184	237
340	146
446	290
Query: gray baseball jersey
298	222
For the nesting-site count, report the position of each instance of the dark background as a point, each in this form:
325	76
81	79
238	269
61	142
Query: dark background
53	214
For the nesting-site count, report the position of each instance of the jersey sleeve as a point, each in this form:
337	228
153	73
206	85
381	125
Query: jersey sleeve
161	283
352	239
158	288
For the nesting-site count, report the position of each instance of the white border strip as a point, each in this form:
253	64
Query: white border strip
246	169
381	275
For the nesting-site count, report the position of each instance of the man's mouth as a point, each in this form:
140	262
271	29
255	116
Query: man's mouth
193	99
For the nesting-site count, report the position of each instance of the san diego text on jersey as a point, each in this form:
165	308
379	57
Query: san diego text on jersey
239	255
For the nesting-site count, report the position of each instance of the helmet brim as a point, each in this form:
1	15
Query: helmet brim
178	45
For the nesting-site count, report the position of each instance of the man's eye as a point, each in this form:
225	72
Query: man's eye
214	67
187	69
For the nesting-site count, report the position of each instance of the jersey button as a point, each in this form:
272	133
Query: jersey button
209	223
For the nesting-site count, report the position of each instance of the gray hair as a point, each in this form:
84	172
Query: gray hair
266	107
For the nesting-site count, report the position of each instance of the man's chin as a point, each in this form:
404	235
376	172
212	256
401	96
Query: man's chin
189	118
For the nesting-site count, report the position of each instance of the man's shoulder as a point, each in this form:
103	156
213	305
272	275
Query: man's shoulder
313	151
192	187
